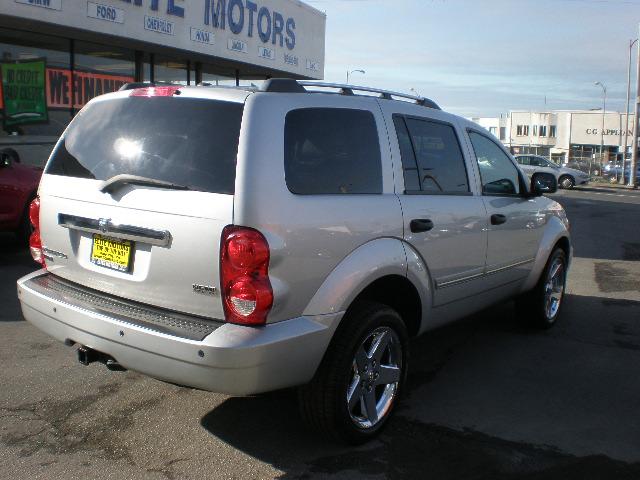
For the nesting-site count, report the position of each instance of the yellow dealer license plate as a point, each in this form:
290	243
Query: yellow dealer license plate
111	253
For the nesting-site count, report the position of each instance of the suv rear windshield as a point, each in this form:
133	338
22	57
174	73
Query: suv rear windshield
184	141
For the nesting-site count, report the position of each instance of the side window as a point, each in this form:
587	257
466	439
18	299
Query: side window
332	151
537	162
499	175
409	165
433	151
524	160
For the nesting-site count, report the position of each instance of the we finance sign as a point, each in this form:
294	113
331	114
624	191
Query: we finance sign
60	88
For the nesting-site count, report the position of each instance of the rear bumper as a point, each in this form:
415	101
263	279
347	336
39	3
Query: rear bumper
232	359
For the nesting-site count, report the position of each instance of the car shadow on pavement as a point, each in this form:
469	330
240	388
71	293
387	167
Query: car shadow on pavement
482	374
602	229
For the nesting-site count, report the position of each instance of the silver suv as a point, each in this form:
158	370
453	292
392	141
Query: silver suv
241	240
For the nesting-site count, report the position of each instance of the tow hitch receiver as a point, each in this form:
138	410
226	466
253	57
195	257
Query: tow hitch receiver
88	355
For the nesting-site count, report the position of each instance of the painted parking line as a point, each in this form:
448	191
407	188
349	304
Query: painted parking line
613	194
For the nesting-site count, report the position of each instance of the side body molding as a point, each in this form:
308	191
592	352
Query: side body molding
554	231
367	263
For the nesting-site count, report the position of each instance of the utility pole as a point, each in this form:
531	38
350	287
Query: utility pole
626	117
604	113
636	126
352	72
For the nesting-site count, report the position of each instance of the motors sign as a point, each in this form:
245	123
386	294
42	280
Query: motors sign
248	18
283	35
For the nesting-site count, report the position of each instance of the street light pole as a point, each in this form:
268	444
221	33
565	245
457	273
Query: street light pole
636	126
604	112
353	71
626	117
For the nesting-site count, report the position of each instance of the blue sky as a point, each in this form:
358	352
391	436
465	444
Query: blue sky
485	57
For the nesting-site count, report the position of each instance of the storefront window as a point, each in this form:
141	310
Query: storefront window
218	75
100	69
35	95
172	70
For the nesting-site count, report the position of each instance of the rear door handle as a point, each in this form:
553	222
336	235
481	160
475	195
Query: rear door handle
498	219
421	225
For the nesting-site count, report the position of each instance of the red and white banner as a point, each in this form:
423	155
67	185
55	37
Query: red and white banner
86	85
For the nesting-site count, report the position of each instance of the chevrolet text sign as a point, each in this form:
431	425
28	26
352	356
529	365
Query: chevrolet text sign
283	35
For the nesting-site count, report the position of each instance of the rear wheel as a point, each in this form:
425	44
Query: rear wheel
541	306
567	181
357	385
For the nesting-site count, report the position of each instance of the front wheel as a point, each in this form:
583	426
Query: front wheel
541	306
358	383
567	182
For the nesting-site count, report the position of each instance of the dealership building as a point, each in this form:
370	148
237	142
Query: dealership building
58	54
563	135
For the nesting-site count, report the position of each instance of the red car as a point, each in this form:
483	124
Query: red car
18	186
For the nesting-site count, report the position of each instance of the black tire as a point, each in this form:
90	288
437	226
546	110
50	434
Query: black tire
566	182
532	306
323	402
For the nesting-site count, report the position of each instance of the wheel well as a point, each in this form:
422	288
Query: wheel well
12	153
564	244
398	293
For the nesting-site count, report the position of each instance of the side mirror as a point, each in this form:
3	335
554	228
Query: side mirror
542	182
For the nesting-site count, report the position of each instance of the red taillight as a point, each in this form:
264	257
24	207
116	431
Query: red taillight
244	275
162	91
35	243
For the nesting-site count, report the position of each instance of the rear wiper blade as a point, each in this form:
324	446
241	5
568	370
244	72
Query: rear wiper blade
114	183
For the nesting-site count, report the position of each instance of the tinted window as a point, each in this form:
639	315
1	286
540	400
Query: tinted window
185	141
332	150
538	162
409	165
439	158
499	175
523	160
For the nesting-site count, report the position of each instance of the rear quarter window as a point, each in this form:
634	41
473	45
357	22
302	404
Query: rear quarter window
332	151
185	141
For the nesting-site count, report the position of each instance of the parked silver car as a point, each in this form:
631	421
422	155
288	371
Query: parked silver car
243	240
567	177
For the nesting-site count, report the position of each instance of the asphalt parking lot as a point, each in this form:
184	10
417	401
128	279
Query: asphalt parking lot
487	398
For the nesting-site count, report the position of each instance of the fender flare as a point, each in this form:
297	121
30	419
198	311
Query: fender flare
370	261
554	231
419	275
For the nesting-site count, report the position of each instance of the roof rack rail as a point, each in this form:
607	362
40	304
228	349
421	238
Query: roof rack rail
282	85
289	85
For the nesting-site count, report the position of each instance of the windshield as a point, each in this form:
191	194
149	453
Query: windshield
551	164
184	141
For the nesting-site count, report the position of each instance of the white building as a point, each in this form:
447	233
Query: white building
562	135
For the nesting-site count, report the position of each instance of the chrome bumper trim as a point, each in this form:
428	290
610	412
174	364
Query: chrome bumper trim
105	226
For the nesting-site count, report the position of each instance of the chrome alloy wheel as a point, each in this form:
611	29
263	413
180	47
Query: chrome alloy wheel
567	182
376	372
554	288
